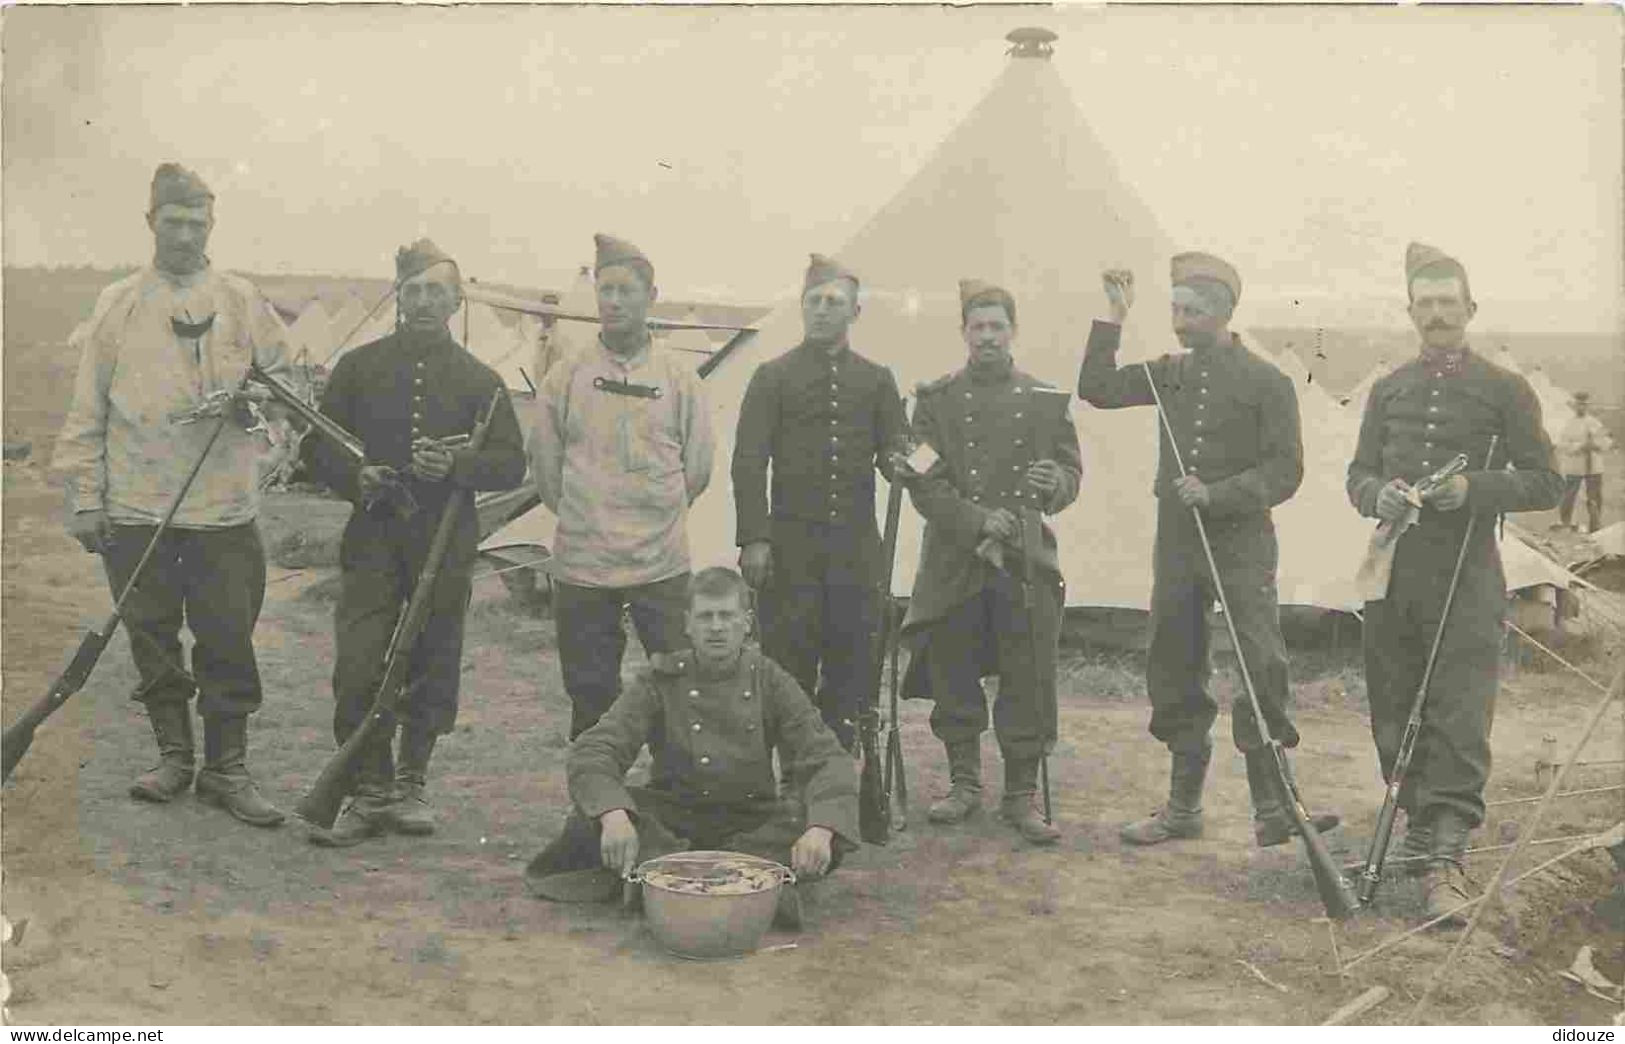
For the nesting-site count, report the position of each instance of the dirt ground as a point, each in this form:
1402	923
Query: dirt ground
133	913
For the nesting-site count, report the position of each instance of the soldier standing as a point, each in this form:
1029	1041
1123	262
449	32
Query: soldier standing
159	342
401	396
1448	400
1236	418
623	446
1580	446
969	616
824	417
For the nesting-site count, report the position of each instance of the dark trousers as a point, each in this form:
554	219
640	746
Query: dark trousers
1178	665
213	580
994	633
381	557
1452	758
1571	492
592	639
665	825
819	616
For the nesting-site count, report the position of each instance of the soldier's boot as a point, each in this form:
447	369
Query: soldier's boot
411	814
1272	822
1181	816
172	776
1444	882
1593	519
1017	808
225	781
1415	848
965	783
367	815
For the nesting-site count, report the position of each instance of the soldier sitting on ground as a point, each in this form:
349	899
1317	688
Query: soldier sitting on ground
711	717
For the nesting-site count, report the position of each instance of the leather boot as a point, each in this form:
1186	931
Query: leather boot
1444	882
1272	823
225	781
370	812
965	783
1181	817
1415	848
1017	808
411	814
172	726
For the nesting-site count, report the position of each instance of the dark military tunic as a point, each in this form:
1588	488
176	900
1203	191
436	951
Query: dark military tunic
1416	420
969	618
711	783
825	421
387	393
1236	418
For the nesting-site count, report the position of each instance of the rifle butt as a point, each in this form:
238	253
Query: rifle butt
1336	895
14	743
320	805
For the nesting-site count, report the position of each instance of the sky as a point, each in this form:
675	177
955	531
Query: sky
728	143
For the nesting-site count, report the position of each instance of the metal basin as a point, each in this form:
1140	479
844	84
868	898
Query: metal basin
708	906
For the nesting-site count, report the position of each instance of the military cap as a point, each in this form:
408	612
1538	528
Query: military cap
1186	268
1419	256
419	258
975	293
610	251
821	270
173	183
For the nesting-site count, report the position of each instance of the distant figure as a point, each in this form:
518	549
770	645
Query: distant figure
711	717
1236	418
401	395
623	446
159	342
825	418
969	617
1580	446
1447	401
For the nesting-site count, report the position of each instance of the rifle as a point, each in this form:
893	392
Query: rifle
19	735
874	817
1371	873
320	805
896	781
394	493
1032	533
1377	568
1335	894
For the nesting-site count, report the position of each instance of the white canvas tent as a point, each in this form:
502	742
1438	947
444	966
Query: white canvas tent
310	333
1022	193
1554	402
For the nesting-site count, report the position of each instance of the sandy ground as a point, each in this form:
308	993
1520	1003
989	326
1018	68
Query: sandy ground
178	914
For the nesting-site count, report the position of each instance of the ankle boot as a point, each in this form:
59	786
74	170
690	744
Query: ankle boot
367	815
1017	807
1415	848
225	781
411	814
965	778
1181	817
172	727
1444	881
1272	823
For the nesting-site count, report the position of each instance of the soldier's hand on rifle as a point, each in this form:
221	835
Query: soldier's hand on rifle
1393	503
1192	492
91	529
756	563
1000	524
1449	495
618	845
432	462
1119	283
1044	476
810	855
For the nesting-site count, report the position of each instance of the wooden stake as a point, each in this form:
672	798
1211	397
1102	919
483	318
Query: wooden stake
1358	1006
